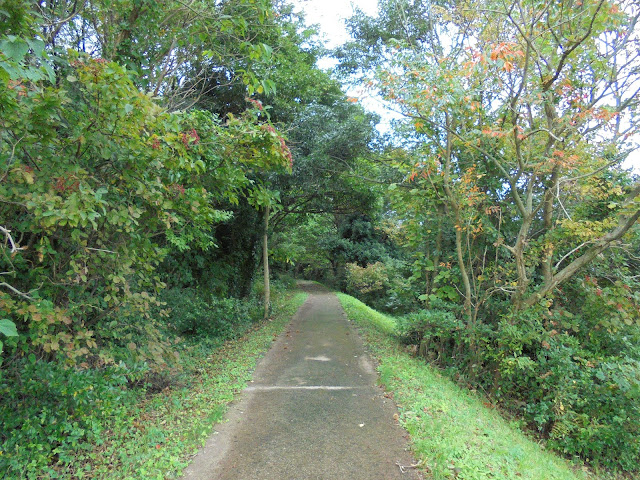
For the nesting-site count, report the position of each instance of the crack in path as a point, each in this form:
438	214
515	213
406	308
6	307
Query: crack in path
270	388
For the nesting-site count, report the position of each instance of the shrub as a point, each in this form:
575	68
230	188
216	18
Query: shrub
575	378
401	295
284	281
384	286
587	403
430	330
48	413
366	281
192	313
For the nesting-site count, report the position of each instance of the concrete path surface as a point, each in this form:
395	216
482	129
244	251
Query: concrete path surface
312	410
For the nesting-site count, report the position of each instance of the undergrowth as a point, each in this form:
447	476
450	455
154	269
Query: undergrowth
114	423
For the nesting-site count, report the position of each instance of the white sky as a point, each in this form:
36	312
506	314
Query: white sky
330	16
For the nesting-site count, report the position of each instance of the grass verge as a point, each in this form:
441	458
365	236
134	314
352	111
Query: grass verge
159	436
453	433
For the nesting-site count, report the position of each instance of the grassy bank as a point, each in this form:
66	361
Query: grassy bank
154	435
454	433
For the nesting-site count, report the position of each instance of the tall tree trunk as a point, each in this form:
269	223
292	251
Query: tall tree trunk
265	262
463	271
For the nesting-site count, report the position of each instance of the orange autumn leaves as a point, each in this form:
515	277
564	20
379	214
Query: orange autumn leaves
505	55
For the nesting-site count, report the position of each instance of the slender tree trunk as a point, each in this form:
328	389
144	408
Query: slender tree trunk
265	262
463	271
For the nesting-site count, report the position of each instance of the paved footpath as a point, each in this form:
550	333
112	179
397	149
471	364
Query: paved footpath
312	411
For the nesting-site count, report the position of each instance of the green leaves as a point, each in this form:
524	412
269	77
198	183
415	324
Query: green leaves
8	328
14	48
22	58
261	197
106	197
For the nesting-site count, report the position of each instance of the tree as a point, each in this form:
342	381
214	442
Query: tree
529	102
517	117
179	51
95	206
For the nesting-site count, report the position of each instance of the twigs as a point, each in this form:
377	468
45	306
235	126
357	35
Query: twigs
404	468
570	253
13	246
16	291
7	234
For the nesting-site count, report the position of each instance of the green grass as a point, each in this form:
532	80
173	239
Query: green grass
158	437
454	434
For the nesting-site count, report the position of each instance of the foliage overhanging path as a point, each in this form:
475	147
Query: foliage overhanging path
312	410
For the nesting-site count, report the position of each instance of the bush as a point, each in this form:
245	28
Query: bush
586	402
384	286
591	410
48	413
192	313
366	281
401	295
430	330
284	281
575	378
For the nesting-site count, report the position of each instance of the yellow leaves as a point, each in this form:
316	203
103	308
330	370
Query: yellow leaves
587	230
28	176
53	332
595	189
493	209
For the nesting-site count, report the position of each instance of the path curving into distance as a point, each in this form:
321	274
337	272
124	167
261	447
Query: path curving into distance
312	411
